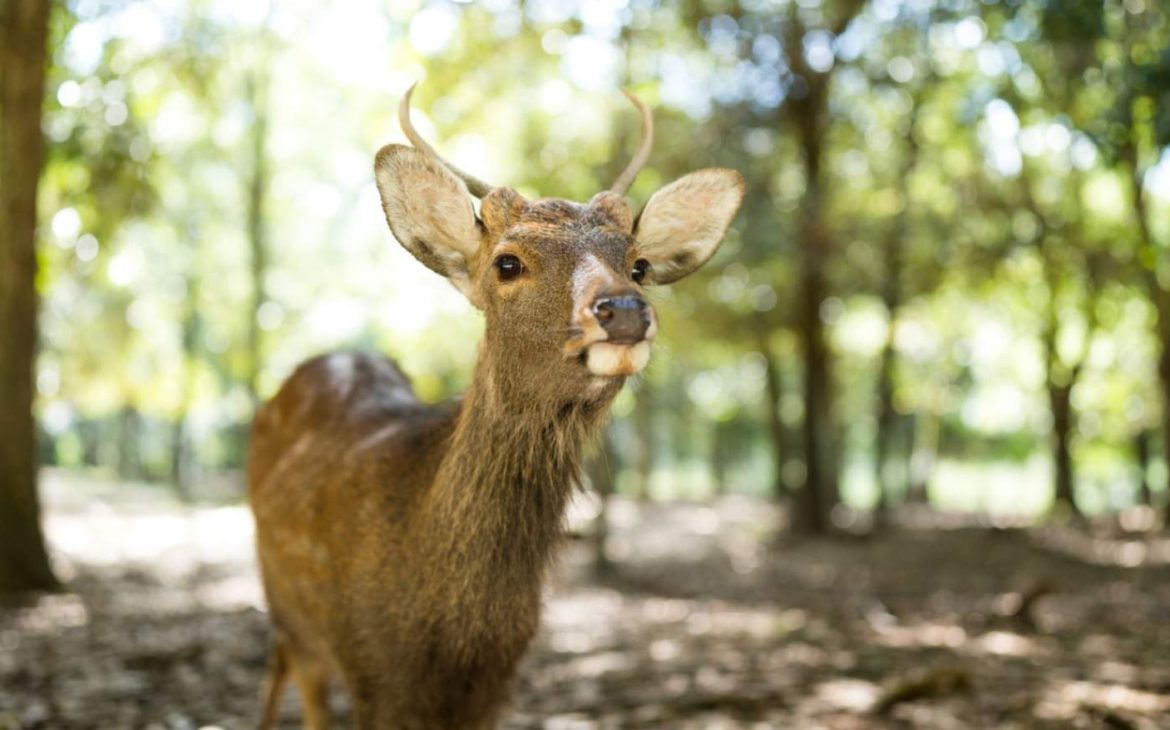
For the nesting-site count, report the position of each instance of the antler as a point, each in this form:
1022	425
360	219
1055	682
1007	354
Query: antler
626	179
475	186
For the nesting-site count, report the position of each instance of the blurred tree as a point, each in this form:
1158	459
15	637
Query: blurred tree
908	93
24	26
781	436
1141	448
1139	137
894	249
644	431
600	468
1105	69
256	185
807	110
190	329
1070	270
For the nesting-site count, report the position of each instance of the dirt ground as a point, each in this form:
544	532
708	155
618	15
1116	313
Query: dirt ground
706	621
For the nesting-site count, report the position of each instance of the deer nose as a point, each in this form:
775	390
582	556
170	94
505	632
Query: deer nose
625	318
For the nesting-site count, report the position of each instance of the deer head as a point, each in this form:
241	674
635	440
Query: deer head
560	283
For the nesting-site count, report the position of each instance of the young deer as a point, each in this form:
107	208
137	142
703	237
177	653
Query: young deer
403	545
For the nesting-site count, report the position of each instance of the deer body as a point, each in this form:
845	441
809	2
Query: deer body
402	546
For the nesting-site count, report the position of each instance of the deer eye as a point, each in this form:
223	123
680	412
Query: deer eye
509	267
641	266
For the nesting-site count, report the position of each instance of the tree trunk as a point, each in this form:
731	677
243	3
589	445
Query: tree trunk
719	457
885	424
1164	376
89	432
923	458
644	428
257	193
1158	295
181	461
1064	484
24	563
817	496
807	110
812	503
1061	378
1163	297
810	118
892	296
600	469
1141	452
130	444
777	432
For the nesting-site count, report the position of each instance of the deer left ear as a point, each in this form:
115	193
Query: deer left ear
429	211
683	223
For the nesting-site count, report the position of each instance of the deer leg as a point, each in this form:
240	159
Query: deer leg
274	686
312	680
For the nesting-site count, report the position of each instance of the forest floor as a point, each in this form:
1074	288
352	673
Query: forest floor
705	621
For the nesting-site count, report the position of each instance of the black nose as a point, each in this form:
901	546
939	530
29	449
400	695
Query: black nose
624	318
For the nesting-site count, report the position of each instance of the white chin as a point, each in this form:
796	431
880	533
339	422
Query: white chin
609	360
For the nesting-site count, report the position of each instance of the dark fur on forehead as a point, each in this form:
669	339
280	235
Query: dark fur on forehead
605	210
552	212
605	220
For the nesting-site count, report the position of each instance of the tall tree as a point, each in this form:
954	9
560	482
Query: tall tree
257	194
773	394
1066	260
808	112
600	469
1144	122
893	296
1074	74
24	563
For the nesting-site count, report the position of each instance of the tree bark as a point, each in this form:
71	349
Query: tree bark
257	194
778	434
1064	475
719	457
600	469
807	107
181	454
90	433
885	421
1141	453
129	443
1158	295
816	496
923	457
1163	298
1062	377
644	427
892	297
24	563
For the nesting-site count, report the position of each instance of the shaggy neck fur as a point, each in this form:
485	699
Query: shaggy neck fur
497	509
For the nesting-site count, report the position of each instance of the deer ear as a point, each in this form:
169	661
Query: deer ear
429	211
683	223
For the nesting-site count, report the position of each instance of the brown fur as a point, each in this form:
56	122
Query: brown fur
402	546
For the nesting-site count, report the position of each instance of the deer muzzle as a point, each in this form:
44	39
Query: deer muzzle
628	323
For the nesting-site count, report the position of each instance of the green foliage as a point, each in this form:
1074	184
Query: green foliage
974	154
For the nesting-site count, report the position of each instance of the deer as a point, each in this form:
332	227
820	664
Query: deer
402	545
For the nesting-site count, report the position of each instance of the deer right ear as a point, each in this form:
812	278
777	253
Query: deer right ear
429	211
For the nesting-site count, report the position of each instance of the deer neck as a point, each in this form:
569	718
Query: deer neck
496	511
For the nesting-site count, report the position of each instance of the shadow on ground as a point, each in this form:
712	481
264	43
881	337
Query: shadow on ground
704	622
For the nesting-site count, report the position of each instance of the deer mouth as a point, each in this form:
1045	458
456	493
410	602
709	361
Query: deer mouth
616	359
